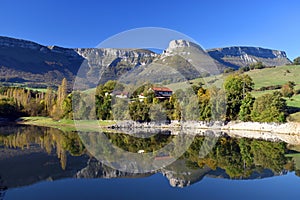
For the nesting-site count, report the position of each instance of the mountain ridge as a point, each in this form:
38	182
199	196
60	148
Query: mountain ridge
241	56
31	62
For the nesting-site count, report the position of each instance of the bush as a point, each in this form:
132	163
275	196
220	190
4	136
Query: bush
228	70
271	87
258	65
297	61
287	89
269	108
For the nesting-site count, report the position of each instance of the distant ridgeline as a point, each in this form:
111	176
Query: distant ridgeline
35	65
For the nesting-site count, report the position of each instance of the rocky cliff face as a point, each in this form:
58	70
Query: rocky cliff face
180	61
174	45
193	54
33	63
109	64
242	56
36	64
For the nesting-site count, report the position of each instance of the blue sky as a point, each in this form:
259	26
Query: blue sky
212	23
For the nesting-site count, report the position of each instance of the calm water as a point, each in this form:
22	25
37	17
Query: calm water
46	163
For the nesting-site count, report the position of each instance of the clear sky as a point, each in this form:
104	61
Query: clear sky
212	23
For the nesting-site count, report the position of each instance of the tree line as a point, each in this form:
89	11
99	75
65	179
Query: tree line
238	103
16	102
202	103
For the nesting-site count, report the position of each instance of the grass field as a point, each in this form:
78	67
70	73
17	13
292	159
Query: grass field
22	85
262	78
207	81
278	76
275	76
66	124
37	89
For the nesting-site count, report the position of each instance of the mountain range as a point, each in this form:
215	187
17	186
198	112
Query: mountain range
36	65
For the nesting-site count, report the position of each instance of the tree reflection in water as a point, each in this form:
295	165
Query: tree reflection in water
235	158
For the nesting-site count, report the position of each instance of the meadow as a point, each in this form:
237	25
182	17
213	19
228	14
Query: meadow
261	78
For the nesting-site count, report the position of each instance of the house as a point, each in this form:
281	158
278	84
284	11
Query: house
162	92
120	94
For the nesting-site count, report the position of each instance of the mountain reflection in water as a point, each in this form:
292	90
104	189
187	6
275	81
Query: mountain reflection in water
29	154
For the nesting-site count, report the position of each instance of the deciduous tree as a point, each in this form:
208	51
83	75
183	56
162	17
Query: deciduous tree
236	87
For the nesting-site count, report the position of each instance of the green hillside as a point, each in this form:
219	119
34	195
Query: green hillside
262	78
278	76
275	76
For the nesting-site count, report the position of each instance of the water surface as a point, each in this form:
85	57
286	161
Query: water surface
47	163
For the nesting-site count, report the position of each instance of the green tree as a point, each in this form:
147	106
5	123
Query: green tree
67	107
236	87
104	110
120	109
218	104
269	108
34	108
297	61
157	113
110	86
103	100
139	111
246	108
204	104
176	108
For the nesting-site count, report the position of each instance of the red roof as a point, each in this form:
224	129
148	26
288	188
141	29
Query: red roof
162	89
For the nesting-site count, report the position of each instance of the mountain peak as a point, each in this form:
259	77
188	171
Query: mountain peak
182	47
182	43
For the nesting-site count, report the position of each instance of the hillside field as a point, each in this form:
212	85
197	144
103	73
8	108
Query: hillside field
262	78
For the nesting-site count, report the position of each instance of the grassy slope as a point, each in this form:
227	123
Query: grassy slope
278	76
262	77
275	76
212	80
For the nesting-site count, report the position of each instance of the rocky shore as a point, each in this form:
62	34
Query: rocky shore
286	132
289	128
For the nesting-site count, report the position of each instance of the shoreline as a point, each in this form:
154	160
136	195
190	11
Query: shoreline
287	132
289	128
